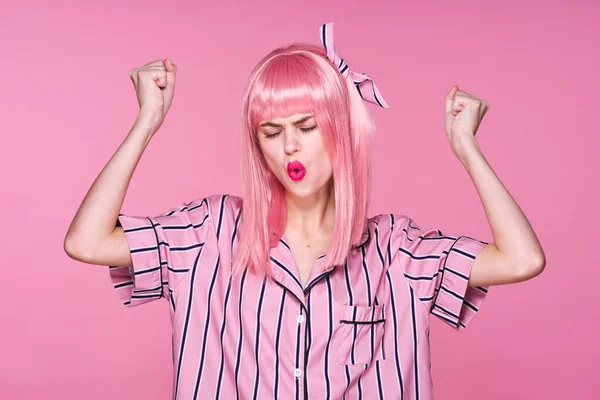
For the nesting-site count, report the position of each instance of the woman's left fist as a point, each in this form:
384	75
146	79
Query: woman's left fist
464	113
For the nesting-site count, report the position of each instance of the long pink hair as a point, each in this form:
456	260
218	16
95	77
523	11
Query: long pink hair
299	78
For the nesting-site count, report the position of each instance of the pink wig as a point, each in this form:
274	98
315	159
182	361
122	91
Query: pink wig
299	78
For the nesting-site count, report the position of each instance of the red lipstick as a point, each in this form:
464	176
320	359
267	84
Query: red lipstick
296	170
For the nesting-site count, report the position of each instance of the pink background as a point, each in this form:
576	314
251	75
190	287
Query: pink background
67	103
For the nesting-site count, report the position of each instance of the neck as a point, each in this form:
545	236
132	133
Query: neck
311	216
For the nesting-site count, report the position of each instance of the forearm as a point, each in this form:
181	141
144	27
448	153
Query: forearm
97	215
513	235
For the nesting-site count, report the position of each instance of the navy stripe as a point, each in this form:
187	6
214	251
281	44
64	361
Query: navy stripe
225	308
394	319
188	311
367	280
208	302
123	284
221	361
360	92
466	278
178	270
277	337
146	271
451	322
415	342
153	248
144	249
348	287
285	244
141	228
375	95
378	364
220	224
360	385
317	278
283	267
173	308
411	255
241	336
307	344
183	227
347	370
464	253
369	304
185	248
458	296
257	340
350	302
421	278
330	320
471	306
298	357
145	290
235	229
146	296
441	280
206	325
446	311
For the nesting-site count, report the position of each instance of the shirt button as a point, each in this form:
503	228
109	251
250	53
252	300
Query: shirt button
300	319
297	372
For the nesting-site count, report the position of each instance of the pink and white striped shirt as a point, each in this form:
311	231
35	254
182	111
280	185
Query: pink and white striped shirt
356	331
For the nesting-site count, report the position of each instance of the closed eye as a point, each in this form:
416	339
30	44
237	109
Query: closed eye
272	135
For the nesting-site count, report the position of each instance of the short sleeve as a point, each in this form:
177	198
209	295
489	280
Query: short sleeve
163	249
437	267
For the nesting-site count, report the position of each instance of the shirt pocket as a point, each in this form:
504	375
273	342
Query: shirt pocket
359	334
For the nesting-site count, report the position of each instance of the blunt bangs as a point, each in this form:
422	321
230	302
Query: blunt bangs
288	84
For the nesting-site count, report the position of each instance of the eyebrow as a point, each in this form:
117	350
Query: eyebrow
301	120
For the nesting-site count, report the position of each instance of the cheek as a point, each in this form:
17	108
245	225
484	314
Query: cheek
326	161
325	166
269	156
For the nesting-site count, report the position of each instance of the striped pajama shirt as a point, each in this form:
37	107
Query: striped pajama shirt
356	331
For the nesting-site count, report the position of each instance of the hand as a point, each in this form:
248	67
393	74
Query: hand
464	113
155	86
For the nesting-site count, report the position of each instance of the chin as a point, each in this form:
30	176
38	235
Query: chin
297	189
302	188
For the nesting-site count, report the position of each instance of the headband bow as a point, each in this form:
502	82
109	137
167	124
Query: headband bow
364	84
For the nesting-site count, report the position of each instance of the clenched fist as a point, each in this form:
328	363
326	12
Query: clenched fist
155	85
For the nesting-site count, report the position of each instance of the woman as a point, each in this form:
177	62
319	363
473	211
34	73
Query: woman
293	292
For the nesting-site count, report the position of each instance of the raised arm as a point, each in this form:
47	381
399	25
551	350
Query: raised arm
516	254
93	236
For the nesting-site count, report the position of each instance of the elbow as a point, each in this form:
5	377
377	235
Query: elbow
68	247
535	268
72	249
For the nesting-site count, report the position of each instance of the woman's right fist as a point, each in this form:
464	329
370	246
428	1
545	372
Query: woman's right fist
155	85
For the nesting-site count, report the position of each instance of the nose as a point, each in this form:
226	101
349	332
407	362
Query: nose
291	141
